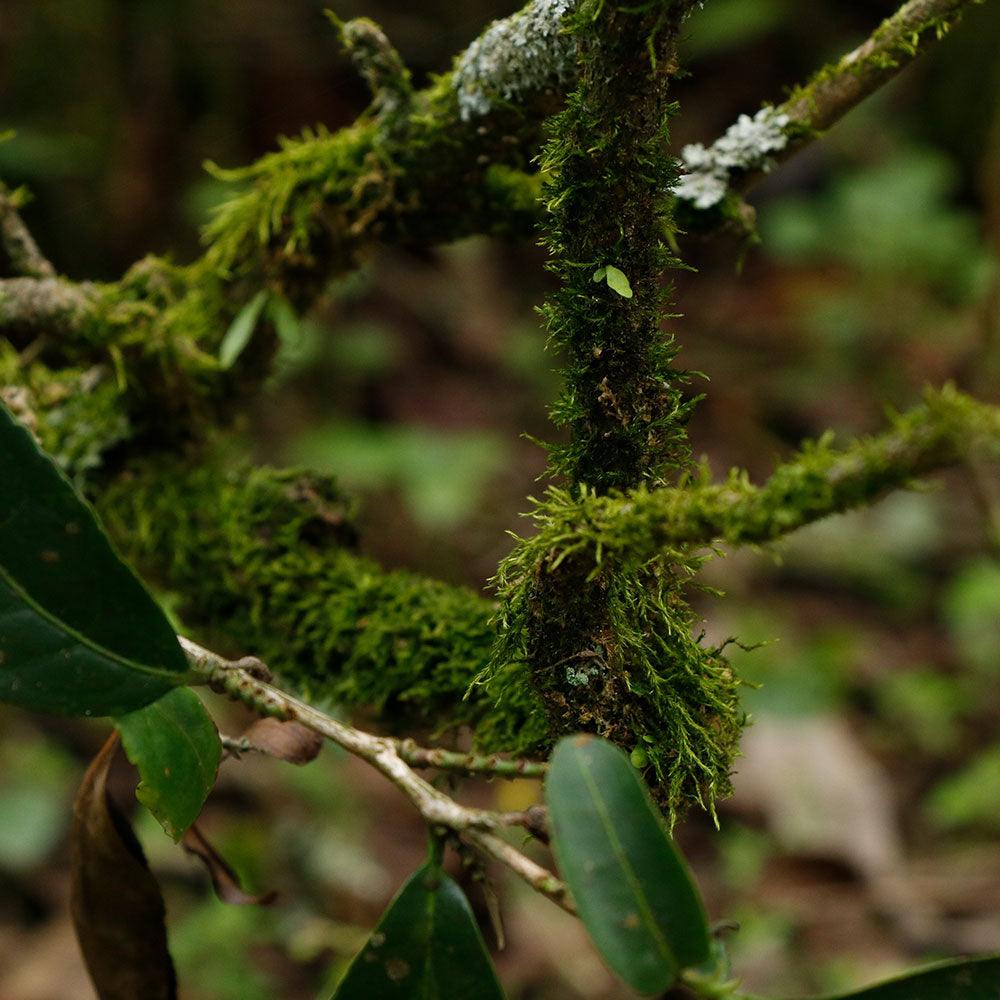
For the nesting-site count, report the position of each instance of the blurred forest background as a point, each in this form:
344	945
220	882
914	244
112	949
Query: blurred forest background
864	832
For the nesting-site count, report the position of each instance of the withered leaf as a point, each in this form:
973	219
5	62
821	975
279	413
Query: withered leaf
224	880
288	741
118	911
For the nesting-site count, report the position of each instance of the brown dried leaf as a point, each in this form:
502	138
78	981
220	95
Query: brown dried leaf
224	879
288	741
117	907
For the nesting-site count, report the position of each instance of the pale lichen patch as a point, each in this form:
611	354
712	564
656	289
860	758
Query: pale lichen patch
746	145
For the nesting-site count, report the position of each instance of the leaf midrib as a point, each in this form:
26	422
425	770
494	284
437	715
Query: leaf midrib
630	875
173	677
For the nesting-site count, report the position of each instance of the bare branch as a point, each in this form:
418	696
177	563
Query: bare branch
240	681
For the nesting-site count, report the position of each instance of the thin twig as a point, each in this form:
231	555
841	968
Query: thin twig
736	161
840	87
469	763
240	680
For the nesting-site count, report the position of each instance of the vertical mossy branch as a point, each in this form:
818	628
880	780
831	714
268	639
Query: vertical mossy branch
608	158
612	651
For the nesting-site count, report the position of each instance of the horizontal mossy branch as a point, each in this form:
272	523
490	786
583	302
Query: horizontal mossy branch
644	524
266	560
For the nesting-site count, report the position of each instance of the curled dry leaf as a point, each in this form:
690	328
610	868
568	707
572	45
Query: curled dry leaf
289	741
224	880
118	911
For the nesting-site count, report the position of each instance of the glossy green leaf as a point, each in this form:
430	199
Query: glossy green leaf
241	329
79	634
632	889
426	947
175	746
971	979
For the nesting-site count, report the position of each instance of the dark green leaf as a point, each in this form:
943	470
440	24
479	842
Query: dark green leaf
241	330
78	632
972	979
175	746
117	908
426	947
632	889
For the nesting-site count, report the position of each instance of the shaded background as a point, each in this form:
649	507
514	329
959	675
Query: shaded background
863	836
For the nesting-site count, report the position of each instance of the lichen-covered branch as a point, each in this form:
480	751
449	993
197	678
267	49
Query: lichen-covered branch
33	306
714	177
476	827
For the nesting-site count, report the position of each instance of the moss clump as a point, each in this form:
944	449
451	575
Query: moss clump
76	413
309	210
266	561
641	678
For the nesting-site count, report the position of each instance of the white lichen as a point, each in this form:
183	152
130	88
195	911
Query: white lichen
581	676
746	145
702	188
521	54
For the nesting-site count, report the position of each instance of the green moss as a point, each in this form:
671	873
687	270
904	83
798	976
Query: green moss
76	413
641	677
265	561
309	210
610	647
